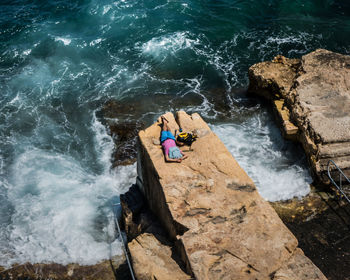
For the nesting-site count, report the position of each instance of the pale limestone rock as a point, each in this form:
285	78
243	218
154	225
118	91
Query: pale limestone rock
152	260
289	130
273	79
222	227
323	96
151	250
299	267
317	93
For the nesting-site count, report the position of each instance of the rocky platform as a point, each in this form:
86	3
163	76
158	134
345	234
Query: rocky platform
311	97
210	209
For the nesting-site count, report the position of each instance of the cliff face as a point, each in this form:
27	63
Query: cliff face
210	208
312	99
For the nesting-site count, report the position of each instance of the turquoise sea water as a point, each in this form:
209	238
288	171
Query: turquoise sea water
60	61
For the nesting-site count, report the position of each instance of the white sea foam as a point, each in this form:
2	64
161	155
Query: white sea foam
278	172
1	164
269	45
65	41
95	42
161	47
103	143
190	86
26	52
63	211
106	9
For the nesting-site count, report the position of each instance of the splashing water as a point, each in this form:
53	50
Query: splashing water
60	61
277	168
52	194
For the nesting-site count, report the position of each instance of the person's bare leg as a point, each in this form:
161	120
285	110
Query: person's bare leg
165	126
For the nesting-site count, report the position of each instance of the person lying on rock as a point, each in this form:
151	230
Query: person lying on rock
172	153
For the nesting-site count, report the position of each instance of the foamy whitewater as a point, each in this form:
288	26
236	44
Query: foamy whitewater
62	212
277	168
61	61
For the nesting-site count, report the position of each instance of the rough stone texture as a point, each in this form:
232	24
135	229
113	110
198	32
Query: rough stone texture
273	79
222	227
317	93
124	136
302	209
152	259
289	130
298	267
152	253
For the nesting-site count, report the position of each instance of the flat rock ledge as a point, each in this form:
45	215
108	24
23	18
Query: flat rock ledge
311	98
210	209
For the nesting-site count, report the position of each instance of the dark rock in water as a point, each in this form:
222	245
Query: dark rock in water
302	209
106	270
123	131
113	109
125	138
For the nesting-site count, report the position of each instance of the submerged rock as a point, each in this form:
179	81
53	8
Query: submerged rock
124	136
312	96
302	209
211	210
123	131
105	270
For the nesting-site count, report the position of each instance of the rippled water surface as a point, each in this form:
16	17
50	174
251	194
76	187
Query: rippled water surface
60	61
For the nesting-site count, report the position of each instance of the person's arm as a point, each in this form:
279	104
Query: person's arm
171	159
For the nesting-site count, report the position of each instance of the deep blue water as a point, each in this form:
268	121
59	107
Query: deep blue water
60	61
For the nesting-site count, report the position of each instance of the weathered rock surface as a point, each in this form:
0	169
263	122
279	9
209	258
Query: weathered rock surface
222	227
274	78
298	267
152	253
152	259
316	91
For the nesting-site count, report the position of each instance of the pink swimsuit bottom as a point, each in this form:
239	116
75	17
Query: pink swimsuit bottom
167	144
